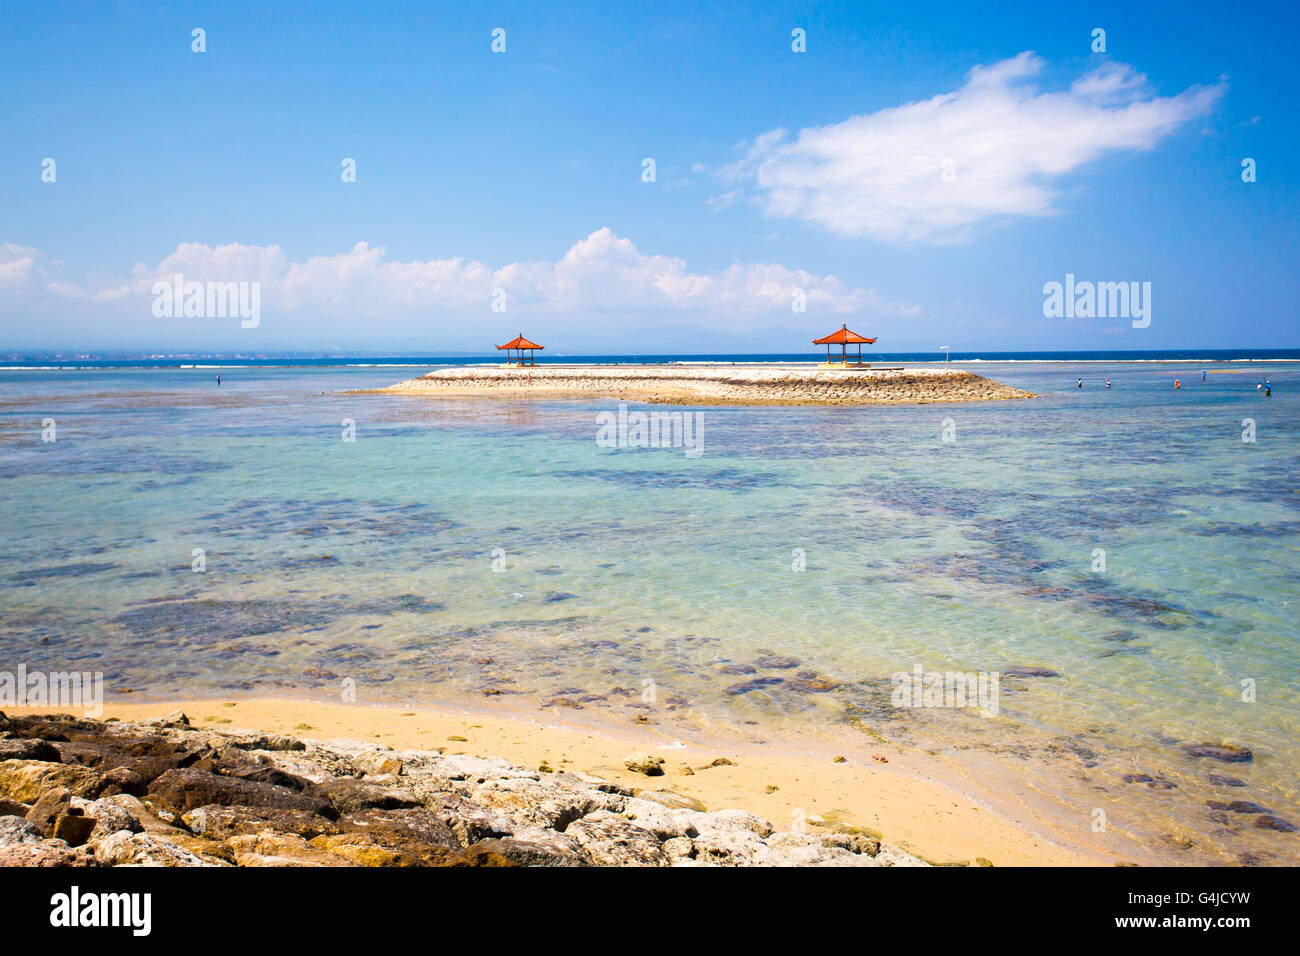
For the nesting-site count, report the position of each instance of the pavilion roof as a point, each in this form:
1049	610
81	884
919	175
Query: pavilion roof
843	336
521	343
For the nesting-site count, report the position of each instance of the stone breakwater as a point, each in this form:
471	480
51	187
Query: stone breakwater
712	385
78	792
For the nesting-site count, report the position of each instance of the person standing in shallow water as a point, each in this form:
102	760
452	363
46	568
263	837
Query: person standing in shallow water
218	381
1108	383
1079	383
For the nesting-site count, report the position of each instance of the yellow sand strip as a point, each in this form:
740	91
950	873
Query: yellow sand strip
898	799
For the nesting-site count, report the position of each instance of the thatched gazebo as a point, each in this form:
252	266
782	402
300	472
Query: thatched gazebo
844	337
521	344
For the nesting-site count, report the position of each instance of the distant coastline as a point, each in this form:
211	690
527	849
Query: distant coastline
51	361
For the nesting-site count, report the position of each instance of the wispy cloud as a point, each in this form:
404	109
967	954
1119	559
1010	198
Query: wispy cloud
17	263
601	277
931	170
600	273
724	200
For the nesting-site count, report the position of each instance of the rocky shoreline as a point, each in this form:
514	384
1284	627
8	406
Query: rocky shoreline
712	385
82	792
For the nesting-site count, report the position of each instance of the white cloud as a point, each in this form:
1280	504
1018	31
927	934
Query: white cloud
17	263
881	174
361	295
724	200
599	274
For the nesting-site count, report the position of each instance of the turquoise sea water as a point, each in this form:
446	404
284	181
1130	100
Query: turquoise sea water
491	551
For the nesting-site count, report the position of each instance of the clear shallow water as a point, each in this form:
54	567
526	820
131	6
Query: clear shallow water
373	561
49	360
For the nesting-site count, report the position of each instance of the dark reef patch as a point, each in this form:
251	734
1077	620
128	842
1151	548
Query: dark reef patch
213	621
324	518
718	479
30	577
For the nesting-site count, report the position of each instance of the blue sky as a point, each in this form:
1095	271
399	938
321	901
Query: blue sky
522	171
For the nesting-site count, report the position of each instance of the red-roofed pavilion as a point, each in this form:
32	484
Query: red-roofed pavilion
844	337
521	344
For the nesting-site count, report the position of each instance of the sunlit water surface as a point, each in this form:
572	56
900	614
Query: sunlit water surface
763	592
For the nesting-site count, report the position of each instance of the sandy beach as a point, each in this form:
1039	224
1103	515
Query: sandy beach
713	384
898	800
488	561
